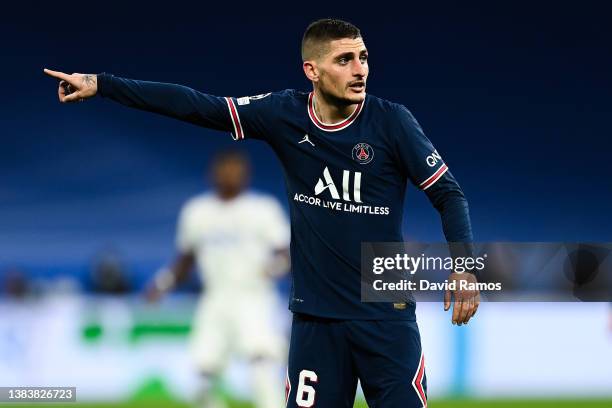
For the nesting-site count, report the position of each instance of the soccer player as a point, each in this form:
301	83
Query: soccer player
240	241
347	158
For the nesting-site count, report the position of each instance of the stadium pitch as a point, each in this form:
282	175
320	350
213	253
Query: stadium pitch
443	403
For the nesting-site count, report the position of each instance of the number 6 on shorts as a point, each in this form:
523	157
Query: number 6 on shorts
305	397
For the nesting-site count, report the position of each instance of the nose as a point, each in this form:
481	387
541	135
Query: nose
359	69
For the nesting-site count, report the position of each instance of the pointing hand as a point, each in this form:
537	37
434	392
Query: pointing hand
75	87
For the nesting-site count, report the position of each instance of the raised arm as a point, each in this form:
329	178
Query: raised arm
176	101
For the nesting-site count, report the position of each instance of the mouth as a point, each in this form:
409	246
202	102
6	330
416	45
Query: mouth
358	86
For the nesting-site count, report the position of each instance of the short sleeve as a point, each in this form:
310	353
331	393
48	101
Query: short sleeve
419	160
186	233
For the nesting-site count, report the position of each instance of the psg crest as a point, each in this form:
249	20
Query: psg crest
363	153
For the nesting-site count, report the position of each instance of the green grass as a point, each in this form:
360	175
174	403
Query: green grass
528	403
447	403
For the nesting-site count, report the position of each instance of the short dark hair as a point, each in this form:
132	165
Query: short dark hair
322	31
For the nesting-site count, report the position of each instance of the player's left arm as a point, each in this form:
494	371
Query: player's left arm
426	169
448	199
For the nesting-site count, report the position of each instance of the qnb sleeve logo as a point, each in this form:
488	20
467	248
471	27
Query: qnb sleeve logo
433	159
327	183
245	100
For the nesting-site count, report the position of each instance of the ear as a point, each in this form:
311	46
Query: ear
311	71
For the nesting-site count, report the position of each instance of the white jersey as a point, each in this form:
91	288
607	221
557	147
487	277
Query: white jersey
233	240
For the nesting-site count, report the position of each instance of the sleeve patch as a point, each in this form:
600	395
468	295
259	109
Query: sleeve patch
245	100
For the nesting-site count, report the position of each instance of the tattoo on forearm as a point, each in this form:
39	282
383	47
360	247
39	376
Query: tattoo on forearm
89	80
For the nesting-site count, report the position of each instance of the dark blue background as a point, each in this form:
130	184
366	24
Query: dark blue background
518	99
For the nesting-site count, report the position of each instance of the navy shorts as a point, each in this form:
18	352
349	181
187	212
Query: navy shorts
327	357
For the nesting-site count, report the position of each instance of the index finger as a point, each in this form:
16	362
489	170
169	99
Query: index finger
57	74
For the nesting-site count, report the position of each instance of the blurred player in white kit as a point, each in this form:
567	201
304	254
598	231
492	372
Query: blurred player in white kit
239	241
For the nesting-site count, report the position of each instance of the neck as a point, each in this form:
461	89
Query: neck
331	110
228	195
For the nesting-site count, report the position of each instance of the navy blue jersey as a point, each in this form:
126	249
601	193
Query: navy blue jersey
345	181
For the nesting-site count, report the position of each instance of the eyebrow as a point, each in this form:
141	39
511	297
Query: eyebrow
349	55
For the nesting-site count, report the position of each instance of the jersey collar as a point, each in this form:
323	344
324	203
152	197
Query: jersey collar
331	127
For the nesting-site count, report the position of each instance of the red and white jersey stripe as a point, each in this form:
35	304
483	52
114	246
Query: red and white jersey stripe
430	181
238	132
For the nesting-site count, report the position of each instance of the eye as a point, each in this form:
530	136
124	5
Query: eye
363	58
343	61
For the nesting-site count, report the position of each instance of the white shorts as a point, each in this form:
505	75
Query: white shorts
233	324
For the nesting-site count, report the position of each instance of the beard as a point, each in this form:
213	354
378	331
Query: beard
340	97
